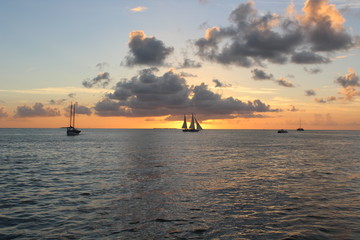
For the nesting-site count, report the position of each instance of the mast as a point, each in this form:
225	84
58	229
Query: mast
70	113
184	124
198	127
74	116
192	124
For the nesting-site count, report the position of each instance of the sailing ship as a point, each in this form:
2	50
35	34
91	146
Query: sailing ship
300	128
192	127
71	130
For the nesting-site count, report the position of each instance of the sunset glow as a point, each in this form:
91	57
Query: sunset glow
235	65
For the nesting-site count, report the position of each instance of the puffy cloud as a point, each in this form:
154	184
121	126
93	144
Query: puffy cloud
102	79
219	84
3	113
151	95
188	63
102	65
146	50
253	38
349	83
306	57
293	109
186	74
259	74
351	79
81	110
38	110
57	102
320	100
71	95
312	70
310	92
284	82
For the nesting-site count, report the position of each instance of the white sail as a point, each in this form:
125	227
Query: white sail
198	127
184	124
192	124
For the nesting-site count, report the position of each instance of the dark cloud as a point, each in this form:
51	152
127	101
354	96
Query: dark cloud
38	110
146	50
253	38
312	70
284	82
149	95
102	79
71	95
57	102
310	92
306	57
102	65
3	113
186	74
188	63
349	83
320	100
81	110
259	74
350	79
219	84
293	109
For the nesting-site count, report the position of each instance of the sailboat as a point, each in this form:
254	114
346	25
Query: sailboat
71	130
191	128
300	128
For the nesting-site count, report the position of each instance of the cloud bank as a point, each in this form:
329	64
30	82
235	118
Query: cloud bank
305	38
169	94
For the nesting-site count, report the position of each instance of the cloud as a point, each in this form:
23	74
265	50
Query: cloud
81	110
320	100
38	110
57	102
3	113
349	83
102	65
146	50
351	79
252	38
71	95
312	70
219	84
259	74
310	92
306	57
185	74
139	9
284	82
102	79
188	63
148	95
293	109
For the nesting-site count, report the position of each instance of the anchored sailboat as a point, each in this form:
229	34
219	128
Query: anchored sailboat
300	128
192	127
71	130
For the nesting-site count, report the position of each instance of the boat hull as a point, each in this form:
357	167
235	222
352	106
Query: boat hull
190	130
72	131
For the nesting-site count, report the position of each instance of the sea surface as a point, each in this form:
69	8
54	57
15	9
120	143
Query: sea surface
166	184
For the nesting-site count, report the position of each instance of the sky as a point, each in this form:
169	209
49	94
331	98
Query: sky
144	64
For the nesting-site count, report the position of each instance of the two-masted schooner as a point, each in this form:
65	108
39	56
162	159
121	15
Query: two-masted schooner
192	127
71	130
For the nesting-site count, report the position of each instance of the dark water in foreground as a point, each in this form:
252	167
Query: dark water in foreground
165	184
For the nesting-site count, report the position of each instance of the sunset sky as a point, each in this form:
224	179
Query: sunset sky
144	64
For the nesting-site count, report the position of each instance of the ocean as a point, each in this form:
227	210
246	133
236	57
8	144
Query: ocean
166	184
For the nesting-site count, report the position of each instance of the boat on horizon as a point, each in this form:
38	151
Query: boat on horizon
192	127
71	130
300	129
282	131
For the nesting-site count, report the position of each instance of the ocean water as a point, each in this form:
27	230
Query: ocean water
166	184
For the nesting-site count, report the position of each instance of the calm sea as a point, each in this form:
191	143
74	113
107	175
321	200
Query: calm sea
166	184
